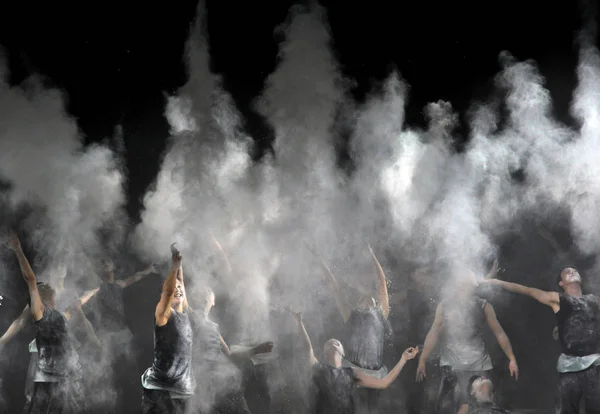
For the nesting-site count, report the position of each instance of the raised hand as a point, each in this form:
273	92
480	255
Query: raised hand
176	257
13	241
296	315
151	269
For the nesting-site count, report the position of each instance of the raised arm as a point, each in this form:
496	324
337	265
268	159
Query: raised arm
137	276
223	254
384	298
502	339
335	287
367	381
431	341
163	309
305	337
16	326
37	307
546	298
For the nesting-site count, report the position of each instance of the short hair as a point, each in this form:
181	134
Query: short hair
562	269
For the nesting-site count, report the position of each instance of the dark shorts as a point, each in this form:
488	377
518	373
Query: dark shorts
160	402
580	387
55	398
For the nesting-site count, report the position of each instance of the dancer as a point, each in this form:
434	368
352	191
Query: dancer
218	378
367	327
461	319
336	384
56	384
481	391
577	316
169	383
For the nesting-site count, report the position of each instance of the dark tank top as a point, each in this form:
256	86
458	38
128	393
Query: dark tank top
172	367
486	408
56	354
110	308
335	389
367	329
578	325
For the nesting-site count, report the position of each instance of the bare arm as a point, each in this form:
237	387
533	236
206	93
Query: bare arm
341	302
464	409
546	298
502	339
431	341
305	337
37	307
136	277
16	327
240	356
223	254
384	298
163	309
367	381
76	306
76	316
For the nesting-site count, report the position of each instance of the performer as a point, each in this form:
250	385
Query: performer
336	384
56	381
367	327
481	391
577	316
170	382
107	313
218	378
461	319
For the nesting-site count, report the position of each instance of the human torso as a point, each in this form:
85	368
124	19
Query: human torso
172	368
367	329
578	319
335	389
56	354
110	308
463	325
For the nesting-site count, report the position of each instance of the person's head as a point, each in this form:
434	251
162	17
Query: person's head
180	302
568	276
481	389
333	352
47	294
465	282
366	301
108	271
206	299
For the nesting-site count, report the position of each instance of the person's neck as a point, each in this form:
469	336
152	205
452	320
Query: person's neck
574	290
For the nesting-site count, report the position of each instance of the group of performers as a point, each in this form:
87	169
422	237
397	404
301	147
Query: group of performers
195	371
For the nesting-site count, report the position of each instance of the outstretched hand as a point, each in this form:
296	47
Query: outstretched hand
410	353
264	348
12	240
176	257
296	315
150	270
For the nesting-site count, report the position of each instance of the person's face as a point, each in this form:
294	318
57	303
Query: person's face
569	276
47	294
333	349
108	271
210	302
482	389
366	302
179	295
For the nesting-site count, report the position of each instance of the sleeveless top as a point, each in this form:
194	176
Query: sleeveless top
578	328
335	389
463	326
172	367
486	408
57	357
366	332
110	309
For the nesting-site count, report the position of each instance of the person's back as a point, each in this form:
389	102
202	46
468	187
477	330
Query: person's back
335	389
